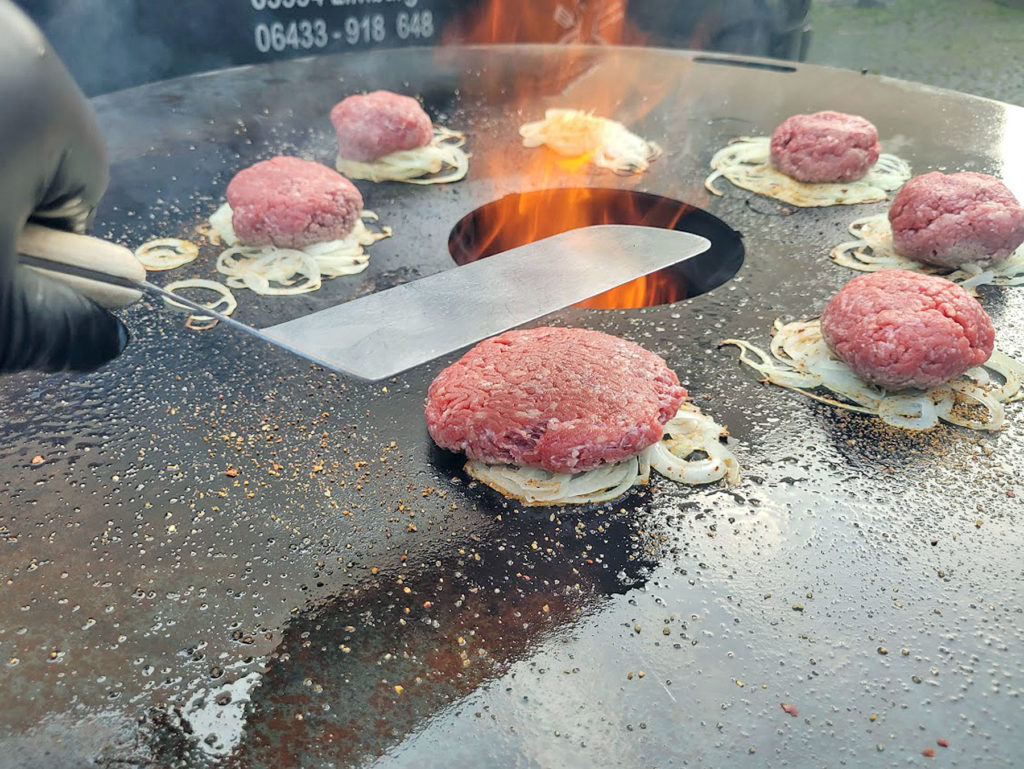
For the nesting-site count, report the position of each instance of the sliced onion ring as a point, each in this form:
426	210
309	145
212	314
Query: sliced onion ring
225	305
534	486
269	270
688	432
873	250
166	253
421	165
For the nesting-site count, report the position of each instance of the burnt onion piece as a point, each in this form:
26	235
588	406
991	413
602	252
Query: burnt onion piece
440	162
688	433
801	361
746	162
294	271
575	133
873	251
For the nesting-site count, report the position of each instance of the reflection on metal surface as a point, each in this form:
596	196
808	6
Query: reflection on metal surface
1012	150
218	715
402	649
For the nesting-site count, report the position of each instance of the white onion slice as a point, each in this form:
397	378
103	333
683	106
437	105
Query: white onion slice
746	162
873	250
534	486
166	253
801	361
269	270
222	226
574	133
440	162
225	304
986	399
687	432
255	269
1012	373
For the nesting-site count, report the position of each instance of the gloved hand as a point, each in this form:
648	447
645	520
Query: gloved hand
53	168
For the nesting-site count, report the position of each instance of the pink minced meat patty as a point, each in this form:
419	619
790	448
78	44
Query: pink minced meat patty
825	147
376	124
567	400
292	203
954	219
900	329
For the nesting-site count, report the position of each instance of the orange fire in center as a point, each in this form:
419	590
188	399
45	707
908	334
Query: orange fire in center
521	218
564	193
642	292
549	21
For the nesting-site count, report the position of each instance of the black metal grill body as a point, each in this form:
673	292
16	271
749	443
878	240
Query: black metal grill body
346	596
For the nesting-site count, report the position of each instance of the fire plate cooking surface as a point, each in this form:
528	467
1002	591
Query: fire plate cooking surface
227	557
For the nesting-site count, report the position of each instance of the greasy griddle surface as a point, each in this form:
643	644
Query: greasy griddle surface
857	570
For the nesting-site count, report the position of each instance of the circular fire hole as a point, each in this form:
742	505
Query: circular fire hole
522	218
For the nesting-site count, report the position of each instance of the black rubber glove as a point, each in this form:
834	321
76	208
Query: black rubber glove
53	169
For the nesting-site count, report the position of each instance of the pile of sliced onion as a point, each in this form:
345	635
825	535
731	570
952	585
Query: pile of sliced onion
873	250
746	162
225	304
534	486
801	361
270	270
574	133
166	253
687	434
440	162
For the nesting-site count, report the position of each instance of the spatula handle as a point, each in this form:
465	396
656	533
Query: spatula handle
91	253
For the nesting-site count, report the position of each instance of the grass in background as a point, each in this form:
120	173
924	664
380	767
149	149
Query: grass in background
976	46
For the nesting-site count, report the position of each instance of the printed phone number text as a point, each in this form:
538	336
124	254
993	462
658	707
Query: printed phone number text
312	34
273	5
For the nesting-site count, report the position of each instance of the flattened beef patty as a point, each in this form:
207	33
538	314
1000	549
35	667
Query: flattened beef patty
564	399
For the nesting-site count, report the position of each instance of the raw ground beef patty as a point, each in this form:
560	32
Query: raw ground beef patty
954	219
292	203
901	329
825	147
564	399
376	124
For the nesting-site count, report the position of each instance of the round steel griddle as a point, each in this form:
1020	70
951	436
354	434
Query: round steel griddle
157	611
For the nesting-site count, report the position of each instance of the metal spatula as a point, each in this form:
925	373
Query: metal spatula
383	334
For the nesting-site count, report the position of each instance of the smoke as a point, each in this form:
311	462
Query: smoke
112	44
100	43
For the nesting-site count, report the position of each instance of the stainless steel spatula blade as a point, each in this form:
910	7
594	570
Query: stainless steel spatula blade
383	334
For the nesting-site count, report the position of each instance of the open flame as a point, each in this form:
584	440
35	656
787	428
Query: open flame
560	192
548	21
522	218
650	290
